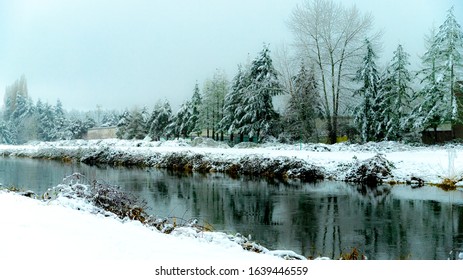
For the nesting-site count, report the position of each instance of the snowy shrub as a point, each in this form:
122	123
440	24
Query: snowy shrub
114	200
246	145
79	193
370	172
177	161
207	142
279	168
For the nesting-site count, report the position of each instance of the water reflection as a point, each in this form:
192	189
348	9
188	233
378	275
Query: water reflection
312	219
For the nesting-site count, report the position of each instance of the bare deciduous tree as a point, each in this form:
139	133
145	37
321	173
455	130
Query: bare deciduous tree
332	38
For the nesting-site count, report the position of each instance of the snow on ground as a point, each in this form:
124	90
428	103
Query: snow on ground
33	229
52	236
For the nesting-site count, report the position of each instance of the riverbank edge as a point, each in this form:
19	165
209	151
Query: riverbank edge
372	170
180	161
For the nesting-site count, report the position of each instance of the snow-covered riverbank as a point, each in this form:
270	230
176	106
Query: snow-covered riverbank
306	161
54	240
36	229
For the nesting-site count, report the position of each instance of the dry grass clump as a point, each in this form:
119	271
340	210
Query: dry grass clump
354	254
448	184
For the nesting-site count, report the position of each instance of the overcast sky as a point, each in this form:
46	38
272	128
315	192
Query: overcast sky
120	54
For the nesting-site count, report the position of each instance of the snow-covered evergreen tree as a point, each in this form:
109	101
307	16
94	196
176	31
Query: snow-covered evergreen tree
110	118
442	68
196	102
89	122
179	124
303	106
449	45
122	124
19	112
145	117
6	136
394	98
22	120
257	108
365	112
75	129
60	123
136	126
233	114
14	94
159	120
45	115
23	108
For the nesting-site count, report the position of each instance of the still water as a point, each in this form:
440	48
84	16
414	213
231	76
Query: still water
311	219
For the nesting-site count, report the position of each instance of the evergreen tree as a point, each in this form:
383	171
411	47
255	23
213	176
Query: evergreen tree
122	124
75	128
215	90
89	122
196	102
17	92
110	118
368	76
303	106
257	107
179	125
159	120
60	123
136	125
45	121
394	98
233	114
23	108
22	120
145	118
449	45
6	136
442	67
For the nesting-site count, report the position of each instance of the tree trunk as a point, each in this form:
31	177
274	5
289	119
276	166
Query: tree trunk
331	132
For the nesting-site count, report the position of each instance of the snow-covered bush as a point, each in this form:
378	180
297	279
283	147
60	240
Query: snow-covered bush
371	171
207	143
99	197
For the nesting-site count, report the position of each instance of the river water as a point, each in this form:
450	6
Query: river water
325	219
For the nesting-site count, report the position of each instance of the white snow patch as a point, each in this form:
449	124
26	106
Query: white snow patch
34	230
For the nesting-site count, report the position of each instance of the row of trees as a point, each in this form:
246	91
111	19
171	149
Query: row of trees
246	108
390	109
387	105
334	77
337	78
24	121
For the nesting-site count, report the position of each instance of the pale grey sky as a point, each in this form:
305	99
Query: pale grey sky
120	54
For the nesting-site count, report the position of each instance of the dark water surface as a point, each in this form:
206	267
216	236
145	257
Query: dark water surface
311	219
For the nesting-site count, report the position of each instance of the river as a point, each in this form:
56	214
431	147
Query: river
326	218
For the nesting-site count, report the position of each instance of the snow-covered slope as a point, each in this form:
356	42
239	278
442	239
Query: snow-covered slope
51	241
32	230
